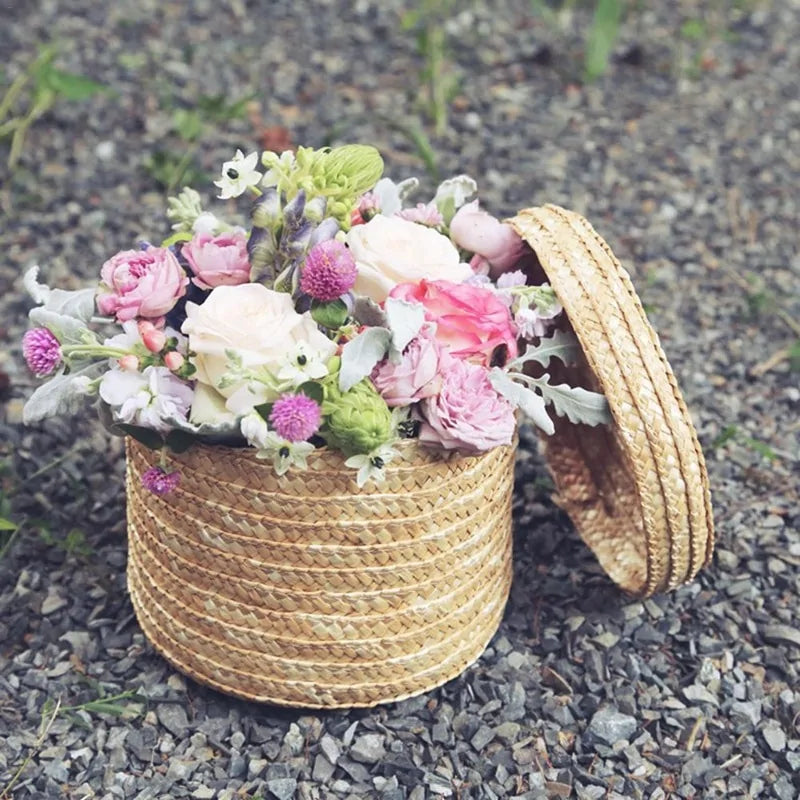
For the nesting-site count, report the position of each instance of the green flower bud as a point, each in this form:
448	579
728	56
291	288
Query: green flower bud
184	209
357	421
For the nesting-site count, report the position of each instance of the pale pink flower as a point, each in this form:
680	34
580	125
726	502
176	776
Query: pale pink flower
416	375
218	260
467	414
493	242
425	214
141	283
472	321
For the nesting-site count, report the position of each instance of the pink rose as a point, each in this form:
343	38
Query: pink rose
416	376
141	283
494	243
472	321
218	260
467	414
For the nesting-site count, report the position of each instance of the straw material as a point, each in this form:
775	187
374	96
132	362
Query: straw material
637	491
307	591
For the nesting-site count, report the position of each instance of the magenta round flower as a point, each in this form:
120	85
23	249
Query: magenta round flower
42	351
295	417
415	376
329	271
468	414
141	283
218	260
160	482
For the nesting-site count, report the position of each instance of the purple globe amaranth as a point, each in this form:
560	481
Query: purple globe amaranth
160	482
329	271
295	417
42	351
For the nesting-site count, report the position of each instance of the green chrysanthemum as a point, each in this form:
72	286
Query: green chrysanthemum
357	421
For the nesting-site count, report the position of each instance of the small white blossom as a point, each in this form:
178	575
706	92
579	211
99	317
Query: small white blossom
285	454
304	364
254	429
285	163
371	465
238	175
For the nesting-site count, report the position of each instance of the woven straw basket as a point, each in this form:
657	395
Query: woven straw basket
306	591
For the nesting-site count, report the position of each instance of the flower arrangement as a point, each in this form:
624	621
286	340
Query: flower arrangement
342	316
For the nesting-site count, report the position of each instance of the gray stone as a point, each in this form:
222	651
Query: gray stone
282	788
368	748
204	793
180	770
294	740
237	740
238	766
482	737
323	769
256	768
57	771
609	726
173	717
782	634
774	736
330	747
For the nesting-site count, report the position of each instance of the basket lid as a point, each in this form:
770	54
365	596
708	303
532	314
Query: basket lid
636	490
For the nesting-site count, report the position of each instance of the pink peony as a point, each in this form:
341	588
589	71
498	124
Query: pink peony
494	243
141	283
218	260
416	376
467	414
472	321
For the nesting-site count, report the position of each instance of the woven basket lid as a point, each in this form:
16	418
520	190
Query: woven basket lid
636	490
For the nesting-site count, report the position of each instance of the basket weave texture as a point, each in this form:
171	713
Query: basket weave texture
307	591
637	490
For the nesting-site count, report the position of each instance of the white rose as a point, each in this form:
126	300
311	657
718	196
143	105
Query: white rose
261	325
390	250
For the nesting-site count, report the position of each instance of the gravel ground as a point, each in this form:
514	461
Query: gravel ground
583	693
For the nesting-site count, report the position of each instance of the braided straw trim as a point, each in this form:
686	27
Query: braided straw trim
307	591
637	492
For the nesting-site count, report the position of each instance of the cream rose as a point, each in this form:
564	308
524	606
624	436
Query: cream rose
260	325
391	250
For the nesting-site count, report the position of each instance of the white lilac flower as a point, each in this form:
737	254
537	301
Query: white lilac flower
304	364
285	454
531	322
510	280
146	398
370	466
238	175
388	196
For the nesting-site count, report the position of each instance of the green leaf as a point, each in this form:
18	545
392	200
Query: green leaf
187	124
313	390
264	410
694	29
69	85
360	355
405	320
146	436
561	345
7	524
526	400
603	34
726	435
794	356
180	441
330	315
573	402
